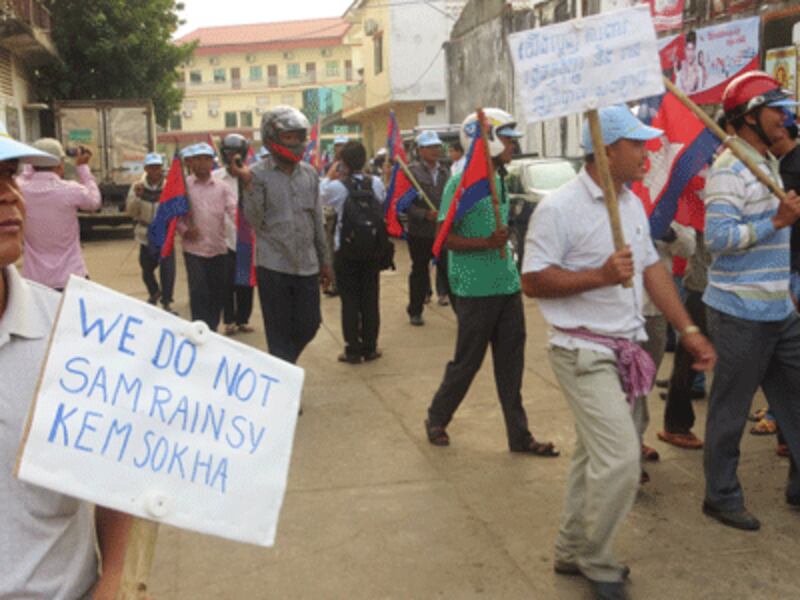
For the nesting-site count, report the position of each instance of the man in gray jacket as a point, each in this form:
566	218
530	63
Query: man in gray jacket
432	177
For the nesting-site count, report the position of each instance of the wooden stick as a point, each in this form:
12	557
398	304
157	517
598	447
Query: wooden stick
607	183
728	140
138	560
415	183
492	184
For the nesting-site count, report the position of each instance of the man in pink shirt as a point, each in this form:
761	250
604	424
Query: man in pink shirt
52	232
203	233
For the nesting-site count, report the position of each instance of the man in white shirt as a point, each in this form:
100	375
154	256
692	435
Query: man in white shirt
571	266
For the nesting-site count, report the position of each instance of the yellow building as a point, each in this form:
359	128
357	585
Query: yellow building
25	44
401	46
239	72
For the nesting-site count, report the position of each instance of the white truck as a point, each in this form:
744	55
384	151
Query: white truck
119	133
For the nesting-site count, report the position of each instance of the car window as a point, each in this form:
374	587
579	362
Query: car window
549	176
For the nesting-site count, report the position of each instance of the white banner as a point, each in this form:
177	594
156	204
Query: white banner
155	416
587	63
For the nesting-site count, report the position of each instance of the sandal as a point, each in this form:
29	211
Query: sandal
688	441
437	435
765	427
543	449
758	415
650	454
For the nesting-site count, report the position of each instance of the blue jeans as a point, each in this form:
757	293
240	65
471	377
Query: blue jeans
751	354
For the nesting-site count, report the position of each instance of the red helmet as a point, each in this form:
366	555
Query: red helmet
752	90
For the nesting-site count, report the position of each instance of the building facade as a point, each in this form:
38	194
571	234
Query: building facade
239	72
25	44
401	45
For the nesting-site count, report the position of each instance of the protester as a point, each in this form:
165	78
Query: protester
141	206
380	164
750	310
432	176
359	241
52	230
487	302
572	268
49	538
238	297
203	233
282	204
334	172
456	153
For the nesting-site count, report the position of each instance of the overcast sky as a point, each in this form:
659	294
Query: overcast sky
207	13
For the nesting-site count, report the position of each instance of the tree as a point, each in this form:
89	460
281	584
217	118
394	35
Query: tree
116	49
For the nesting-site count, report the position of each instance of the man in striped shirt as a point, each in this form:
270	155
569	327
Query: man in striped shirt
751	317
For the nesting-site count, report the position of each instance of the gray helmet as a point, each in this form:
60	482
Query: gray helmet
282	119
234	143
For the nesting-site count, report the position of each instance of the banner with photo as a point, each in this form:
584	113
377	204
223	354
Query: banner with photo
781	63
701	62
667	14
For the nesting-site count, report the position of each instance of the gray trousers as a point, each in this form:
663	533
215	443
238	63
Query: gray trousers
751	354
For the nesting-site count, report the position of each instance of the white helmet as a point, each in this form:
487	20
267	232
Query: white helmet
500	123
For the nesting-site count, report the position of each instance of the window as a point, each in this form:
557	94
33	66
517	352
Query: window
256	73
377	42
287	99
272	75
219	75
348	70
293	70
230	120
332	68
175	122
430	109
246	118
195	77
311	72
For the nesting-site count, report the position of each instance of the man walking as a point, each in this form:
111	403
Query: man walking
432	176
203	233
359	240
488	303
751	315
282	204
141	205
571	267
52	231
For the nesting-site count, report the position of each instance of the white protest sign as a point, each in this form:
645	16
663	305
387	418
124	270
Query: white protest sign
587	63
154	416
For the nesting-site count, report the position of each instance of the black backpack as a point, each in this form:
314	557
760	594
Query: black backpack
363	236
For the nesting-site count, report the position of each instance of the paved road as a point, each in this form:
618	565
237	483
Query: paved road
374	511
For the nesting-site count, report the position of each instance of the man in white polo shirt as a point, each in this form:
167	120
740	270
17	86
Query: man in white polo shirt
47	540
571	266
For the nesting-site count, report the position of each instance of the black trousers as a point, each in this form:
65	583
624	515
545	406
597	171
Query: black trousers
495	320
359	290
290	307
206	276
419	281
166	274
238	304
679	413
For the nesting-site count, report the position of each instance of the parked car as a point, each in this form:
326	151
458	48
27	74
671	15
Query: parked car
529	179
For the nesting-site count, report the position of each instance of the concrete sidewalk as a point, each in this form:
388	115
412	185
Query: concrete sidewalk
374	511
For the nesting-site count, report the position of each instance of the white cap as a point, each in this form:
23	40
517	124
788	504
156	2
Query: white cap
11	149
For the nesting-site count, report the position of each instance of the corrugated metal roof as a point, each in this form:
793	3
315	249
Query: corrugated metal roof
268	33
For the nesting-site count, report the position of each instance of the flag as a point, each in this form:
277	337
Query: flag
217	155
173	203
311	153
674	159
472	188
400	192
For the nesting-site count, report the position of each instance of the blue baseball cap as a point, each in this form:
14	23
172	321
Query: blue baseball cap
340	139
428	138
153	159
203	149
188	152
617	122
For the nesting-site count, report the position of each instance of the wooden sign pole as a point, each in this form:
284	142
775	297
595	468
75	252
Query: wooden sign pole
607	183
415	183
138	560
490	167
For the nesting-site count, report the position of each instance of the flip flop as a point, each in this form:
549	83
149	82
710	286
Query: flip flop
765	427
688	441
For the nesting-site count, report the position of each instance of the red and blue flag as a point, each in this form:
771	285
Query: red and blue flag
472	188
311	154
400	193
674	159
173	203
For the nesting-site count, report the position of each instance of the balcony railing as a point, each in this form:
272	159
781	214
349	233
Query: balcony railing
269	82
32	12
